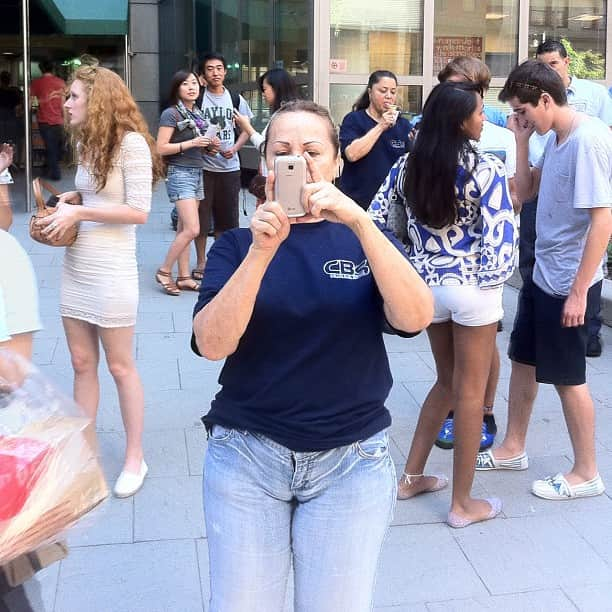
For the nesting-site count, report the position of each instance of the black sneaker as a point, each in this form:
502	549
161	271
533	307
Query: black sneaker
593	348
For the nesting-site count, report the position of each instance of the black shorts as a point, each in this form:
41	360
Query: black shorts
221	192
537	339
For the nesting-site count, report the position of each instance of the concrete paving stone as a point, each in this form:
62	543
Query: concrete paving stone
141	577
60	375
532	601
169	509
112	522
409	367
183	320
160	302
595	526
599	385
172	409
528	552
400	402
154	322
591	598
43	350
423	562
195	438
42	589
170	345
201	375
166	452
408	608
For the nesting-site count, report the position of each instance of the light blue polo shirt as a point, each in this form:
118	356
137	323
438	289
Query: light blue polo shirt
590	98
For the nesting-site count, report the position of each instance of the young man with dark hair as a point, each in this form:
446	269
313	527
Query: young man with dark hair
573	225
593	99
222	169
50	91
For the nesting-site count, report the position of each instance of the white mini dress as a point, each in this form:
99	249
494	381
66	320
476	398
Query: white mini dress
100	274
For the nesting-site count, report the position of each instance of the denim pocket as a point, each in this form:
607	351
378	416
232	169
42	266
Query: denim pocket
218	433
374	447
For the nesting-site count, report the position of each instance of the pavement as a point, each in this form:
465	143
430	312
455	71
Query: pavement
149	553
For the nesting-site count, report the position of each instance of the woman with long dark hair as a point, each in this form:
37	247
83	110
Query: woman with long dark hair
278	87
452	207
181	141
372	137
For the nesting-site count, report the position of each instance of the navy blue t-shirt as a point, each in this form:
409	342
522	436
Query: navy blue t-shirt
361	179
311	370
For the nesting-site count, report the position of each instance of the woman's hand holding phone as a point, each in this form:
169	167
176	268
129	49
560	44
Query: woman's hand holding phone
322	199
269	224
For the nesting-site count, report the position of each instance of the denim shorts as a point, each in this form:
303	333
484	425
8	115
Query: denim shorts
184	183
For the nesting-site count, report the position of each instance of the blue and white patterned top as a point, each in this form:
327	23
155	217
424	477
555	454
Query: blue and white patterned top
479	249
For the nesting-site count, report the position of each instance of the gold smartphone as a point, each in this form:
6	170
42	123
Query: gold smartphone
289	178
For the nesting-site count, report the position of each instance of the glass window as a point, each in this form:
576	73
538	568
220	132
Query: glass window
367	36
580	25
487	30
342	98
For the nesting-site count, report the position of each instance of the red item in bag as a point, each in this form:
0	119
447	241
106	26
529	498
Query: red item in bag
20	459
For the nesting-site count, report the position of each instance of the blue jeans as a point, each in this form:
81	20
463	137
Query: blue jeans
267	507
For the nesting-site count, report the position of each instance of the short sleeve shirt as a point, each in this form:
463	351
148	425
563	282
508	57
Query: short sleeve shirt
361	179
219	109
500	142
19	288
576	177
192	157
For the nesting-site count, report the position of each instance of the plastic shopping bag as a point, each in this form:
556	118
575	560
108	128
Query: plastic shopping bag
49	473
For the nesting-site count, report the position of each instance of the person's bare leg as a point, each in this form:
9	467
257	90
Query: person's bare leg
187	229
84	347
200	240
492	381
473	353
580	419
521	397
433	412
118	343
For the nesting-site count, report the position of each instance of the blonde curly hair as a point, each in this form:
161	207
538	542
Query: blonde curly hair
111	113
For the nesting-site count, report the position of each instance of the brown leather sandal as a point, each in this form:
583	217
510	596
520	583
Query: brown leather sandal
167	282
187	283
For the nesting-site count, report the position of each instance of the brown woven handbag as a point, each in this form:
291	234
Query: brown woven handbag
44	209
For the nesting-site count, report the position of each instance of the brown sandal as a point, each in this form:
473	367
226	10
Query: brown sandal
197	274
166	281
181	283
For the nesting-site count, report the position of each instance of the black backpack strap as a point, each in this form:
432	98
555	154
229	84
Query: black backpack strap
235	100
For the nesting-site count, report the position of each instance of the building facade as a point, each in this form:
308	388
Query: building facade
330	46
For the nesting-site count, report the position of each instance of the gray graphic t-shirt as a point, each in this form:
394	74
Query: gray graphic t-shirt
218	109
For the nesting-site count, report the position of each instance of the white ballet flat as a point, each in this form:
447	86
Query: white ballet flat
129	483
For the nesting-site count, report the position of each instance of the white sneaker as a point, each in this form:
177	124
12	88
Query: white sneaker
557	487
129	483
485	460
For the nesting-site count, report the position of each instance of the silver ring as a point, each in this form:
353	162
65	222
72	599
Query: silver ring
53	224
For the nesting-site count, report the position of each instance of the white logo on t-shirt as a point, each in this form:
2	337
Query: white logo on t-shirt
342	268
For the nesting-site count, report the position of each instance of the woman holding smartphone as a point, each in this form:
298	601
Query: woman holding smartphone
181	140
372	137
298	471
452	207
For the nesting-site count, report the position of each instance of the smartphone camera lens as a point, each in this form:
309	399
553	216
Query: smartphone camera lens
290	166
